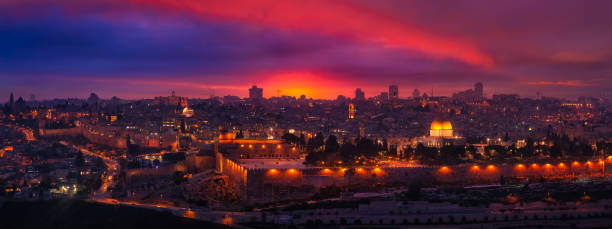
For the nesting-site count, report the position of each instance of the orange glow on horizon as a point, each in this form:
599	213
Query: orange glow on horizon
475	168
534	166
561	165
312	85
520	166
576	163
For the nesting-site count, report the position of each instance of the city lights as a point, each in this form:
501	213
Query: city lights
306	114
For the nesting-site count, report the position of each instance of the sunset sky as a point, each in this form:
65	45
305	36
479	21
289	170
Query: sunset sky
144	48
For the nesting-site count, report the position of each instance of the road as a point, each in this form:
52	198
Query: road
27	132
111	172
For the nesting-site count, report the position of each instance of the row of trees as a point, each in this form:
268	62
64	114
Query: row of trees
348	152
330	150
450	154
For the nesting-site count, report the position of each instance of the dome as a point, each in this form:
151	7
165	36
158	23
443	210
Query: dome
187	112
441	124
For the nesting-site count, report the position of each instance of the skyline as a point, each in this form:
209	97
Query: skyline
142	49
305	114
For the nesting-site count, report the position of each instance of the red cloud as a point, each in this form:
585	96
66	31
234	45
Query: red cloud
569	83
332	18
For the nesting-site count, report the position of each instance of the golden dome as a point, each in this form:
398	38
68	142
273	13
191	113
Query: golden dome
441	124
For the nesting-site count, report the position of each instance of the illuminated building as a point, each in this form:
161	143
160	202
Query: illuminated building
171	100
237	149
187	112
441	127
440	134
351	111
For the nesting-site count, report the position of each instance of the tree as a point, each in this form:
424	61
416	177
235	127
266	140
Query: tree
178	177
347	151
79	161
240	135
100	163
291	139
331	145
302	141
316	142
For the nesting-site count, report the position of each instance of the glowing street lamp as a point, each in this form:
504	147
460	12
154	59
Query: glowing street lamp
444	169
272	172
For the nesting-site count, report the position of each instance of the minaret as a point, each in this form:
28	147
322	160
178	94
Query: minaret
128	142
12	103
